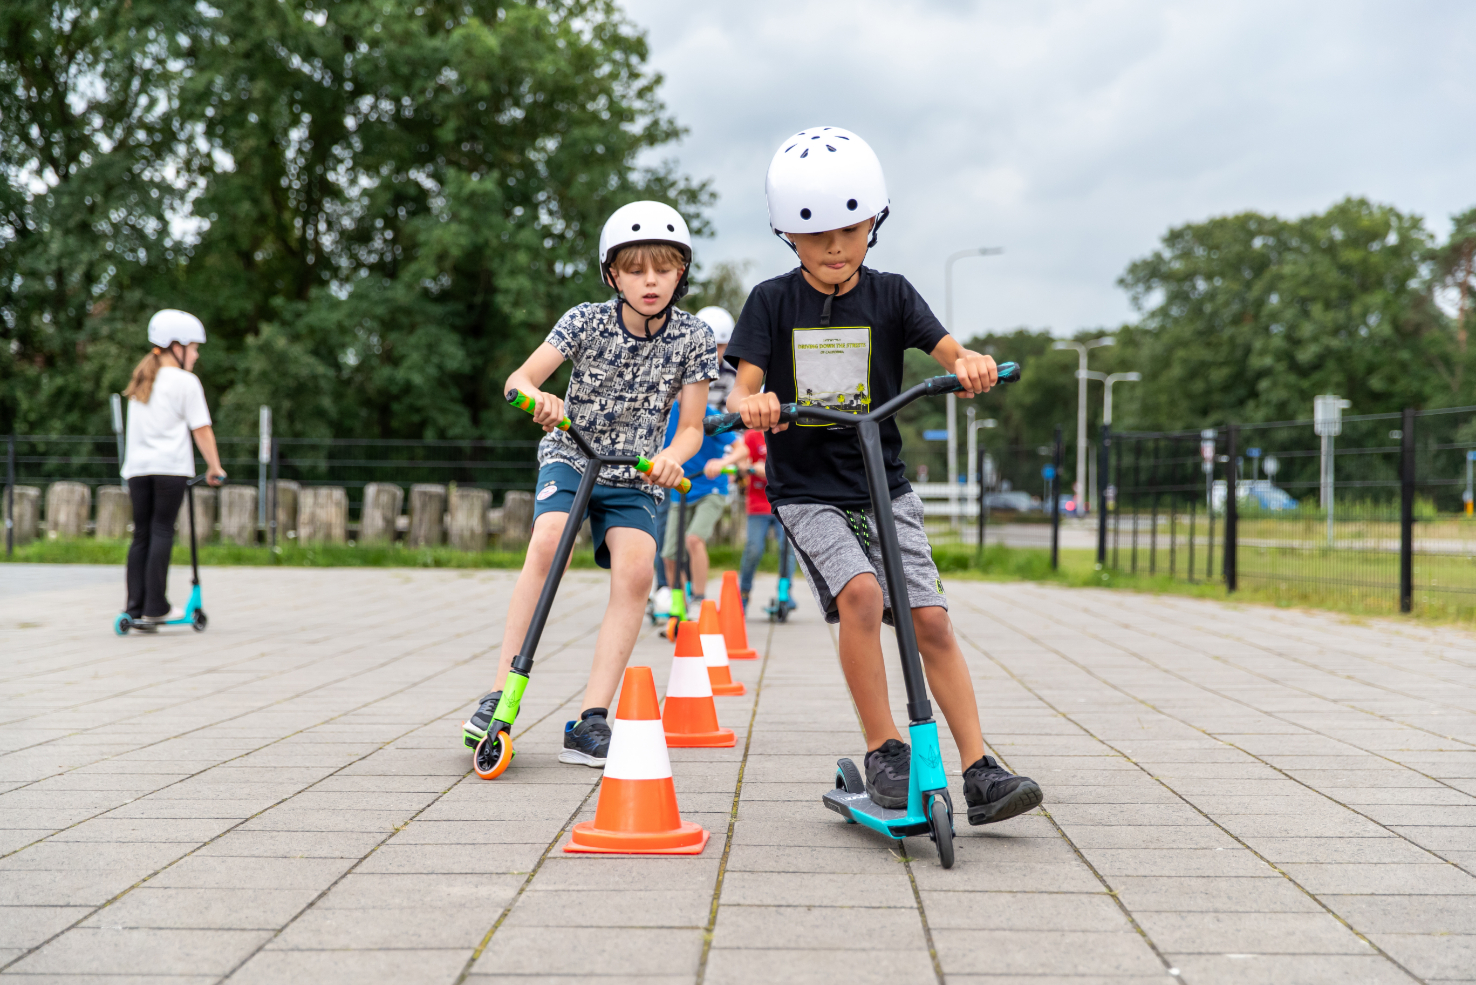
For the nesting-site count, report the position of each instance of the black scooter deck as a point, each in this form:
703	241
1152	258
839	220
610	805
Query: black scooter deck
848	805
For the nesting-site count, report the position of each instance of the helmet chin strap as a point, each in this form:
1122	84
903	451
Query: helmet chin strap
829	298
676	295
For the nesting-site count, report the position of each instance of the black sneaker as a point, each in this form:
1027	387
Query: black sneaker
993	793
474	729
888	769
587	741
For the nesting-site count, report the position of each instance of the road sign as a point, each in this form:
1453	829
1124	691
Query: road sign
935	434
1253	452
1048	473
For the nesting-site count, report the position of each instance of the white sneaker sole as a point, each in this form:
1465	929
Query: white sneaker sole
576	758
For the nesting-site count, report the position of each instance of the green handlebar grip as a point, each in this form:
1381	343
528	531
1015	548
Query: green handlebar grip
523	402
643	464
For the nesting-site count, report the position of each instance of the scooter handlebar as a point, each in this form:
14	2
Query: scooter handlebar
1009	372
523	402
643	464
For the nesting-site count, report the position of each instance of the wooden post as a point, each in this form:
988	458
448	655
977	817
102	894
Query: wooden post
287	492
25	509
238	514
517	520
468	529
322	515
383	502
68	504
114	512
206	499
427	514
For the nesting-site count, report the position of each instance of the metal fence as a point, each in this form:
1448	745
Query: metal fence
1375	514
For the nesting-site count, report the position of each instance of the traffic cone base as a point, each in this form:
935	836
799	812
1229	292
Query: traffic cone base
723	738
637	812
734	620
724	689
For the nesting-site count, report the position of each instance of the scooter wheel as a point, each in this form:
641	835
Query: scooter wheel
671	629
941	831
122	624
493	755
848	777
200	622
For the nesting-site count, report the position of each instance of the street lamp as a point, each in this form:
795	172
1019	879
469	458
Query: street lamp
952	403
1081	405
976	457
1108	379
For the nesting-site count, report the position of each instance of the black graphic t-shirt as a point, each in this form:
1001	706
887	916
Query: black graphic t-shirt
854	365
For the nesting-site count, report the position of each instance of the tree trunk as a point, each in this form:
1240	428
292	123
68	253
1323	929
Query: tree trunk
382	504
27	512
114	512
206	499
517	520
68	505
468	529
427	514
322	515
238	514
287	493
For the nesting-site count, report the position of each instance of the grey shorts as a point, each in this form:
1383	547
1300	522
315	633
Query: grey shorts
834	551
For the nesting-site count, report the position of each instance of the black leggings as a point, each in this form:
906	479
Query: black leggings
156	500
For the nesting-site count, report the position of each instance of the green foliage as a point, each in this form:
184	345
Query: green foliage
1247	317
724	288
378	210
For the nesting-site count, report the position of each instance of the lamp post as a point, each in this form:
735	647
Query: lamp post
976	466
952	402
1107	379
1082	348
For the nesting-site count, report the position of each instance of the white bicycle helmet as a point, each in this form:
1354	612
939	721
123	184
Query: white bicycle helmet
825	178
171	325
644	222
719	321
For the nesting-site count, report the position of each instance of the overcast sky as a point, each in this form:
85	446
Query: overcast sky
1071	134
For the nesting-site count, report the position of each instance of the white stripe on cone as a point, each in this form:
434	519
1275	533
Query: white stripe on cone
715	650
689	678
637	750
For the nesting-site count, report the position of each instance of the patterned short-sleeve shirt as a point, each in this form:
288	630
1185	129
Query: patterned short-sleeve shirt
621	386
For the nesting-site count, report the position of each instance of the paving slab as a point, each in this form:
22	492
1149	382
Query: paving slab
1233	794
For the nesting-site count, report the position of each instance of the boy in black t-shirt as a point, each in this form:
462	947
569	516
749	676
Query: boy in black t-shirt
832	333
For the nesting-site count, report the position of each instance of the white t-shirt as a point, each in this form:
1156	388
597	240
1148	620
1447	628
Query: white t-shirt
159	431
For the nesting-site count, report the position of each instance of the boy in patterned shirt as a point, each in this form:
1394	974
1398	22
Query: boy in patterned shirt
633	357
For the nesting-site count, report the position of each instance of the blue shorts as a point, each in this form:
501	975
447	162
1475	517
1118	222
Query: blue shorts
609	506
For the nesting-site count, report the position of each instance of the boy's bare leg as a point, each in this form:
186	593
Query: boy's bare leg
632	553
948	680
697	552
542	547
860	608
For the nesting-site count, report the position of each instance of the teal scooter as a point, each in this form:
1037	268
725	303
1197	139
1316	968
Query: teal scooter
193	614
782	604
929	808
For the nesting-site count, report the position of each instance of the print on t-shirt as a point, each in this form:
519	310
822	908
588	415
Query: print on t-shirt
832	367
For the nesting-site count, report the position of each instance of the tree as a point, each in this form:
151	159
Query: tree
1247	317
382	207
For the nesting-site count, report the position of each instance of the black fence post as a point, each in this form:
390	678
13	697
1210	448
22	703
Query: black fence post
10	496
272	516
982	519
1406	511
1104	459
1056	501
1232	512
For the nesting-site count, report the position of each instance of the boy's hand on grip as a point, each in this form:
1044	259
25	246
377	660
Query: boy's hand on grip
761	412
548	409
665	472
975	372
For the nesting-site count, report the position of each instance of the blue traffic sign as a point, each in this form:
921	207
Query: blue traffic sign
936	434
1253	452
1049	472
1471	455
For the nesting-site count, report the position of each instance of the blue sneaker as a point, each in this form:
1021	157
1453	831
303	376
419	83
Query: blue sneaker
587	741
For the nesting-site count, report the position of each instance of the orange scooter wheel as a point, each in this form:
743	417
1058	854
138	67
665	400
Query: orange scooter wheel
493	755
671	628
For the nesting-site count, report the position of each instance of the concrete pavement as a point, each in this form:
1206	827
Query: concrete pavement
1233	794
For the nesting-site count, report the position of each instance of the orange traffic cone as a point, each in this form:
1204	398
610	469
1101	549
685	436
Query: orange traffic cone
637	812
715	652
735	628
690	714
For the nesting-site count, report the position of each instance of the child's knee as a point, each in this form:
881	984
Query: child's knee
861	600
933	627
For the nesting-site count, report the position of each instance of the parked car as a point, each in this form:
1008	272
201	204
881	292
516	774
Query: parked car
1017	500
1070	506
1261	491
